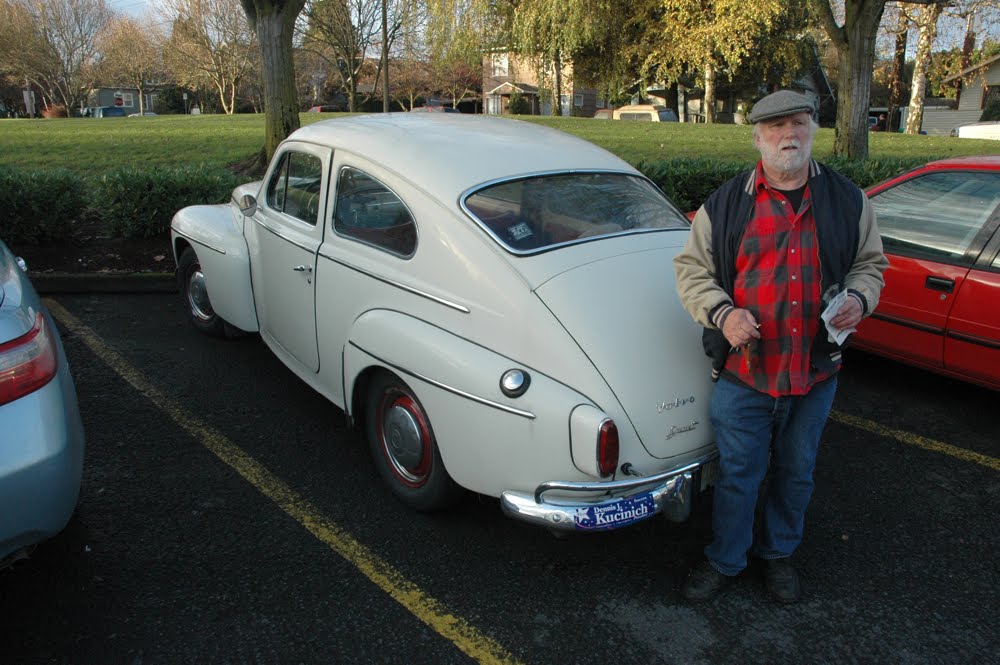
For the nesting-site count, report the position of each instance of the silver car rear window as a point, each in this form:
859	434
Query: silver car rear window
537	213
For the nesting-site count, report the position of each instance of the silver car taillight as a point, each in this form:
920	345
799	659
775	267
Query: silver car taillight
28	362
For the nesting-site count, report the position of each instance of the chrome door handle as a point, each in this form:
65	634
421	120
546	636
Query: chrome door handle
302	269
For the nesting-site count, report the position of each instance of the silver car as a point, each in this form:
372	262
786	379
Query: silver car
41	434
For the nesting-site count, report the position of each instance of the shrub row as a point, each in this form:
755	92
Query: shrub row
688	182
36	206
42	205
138	203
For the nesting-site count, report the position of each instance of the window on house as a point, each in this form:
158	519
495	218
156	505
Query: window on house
501	65
577	100
127	99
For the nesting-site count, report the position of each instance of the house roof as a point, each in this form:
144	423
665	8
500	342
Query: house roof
523	88
968	70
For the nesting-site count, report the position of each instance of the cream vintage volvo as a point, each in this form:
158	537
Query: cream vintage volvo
492	301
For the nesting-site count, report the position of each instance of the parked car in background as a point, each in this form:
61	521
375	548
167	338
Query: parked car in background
139	115
978	130
939	307
434	109
645	112
41	434
506	324
107	112
326	108
604	114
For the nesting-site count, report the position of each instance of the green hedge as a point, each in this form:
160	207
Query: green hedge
42	205
137	203
37	206
688	182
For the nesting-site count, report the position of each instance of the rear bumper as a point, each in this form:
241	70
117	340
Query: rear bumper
41	463
636	499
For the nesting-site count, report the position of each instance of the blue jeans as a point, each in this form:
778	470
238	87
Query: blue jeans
750	427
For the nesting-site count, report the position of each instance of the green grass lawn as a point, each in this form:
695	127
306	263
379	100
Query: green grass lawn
92	146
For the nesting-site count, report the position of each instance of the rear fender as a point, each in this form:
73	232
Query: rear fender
489	442
215	232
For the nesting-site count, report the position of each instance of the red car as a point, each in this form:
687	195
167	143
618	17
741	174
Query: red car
940	309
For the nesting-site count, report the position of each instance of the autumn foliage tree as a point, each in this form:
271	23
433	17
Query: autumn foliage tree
210	45
130	56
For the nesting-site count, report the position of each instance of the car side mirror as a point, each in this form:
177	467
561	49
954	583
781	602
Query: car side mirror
248	205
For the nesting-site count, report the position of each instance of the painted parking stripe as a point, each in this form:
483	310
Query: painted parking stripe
465	637
916	440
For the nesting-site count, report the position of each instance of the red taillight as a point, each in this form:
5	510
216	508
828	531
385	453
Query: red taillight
28	362
607	448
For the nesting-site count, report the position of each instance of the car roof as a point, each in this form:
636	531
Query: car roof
449	153
974	161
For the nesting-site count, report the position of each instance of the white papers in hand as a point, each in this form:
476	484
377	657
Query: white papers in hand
837	335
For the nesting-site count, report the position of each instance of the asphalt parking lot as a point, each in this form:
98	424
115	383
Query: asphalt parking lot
228	515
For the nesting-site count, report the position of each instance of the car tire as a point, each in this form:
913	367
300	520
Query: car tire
197	306
403	446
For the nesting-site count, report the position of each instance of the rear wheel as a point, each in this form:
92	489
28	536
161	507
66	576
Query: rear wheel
403	446
191	283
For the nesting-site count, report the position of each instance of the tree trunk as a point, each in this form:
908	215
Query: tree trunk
918	89
274	22
857	60
557	107
898	68
709	100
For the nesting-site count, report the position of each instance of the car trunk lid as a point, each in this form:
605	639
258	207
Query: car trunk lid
655	367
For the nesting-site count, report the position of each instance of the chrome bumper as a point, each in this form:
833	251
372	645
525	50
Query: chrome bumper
668	493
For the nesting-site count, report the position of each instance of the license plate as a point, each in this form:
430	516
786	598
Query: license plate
709	474
615	514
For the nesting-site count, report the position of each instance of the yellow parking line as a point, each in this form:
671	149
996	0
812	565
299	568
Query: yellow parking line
470	641
916	440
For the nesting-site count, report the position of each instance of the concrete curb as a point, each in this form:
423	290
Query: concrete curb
135	282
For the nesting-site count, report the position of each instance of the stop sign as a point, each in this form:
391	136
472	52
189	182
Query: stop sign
119	101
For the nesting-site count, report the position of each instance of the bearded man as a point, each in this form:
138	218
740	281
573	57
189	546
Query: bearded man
768	252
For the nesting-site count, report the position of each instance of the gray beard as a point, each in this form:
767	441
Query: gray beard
785	162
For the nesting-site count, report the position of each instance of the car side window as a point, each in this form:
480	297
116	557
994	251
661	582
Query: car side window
938	215
369	212
295	186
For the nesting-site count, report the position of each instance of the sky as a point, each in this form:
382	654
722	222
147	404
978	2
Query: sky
134	7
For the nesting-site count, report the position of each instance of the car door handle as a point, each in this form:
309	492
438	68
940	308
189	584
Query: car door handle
940	284
302	269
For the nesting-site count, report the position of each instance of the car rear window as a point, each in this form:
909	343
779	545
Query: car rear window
541	212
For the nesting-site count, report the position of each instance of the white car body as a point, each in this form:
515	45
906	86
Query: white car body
978	130
592	326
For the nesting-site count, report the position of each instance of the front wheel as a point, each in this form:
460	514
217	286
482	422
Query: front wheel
197	306
403	446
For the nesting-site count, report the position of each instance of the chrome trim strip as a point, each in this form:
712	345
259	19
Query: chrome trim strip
399	285
311	250
672	497
620	485
442	386
200	242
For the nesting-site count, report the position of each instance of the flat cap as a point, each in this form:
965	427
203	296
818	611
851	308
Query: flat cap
779	104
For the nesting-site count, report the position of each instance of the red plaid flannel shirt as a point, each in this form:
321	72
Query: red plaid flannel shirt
778	280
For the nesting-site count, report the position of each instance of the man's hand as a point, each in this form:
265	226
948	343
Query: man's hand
740	327
848	316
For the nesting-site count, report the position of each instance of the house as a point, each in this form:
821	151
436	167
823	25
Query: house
978	86
127	98
505	76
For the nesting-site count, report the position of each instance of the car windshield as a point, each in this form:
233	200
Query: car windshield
537	213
